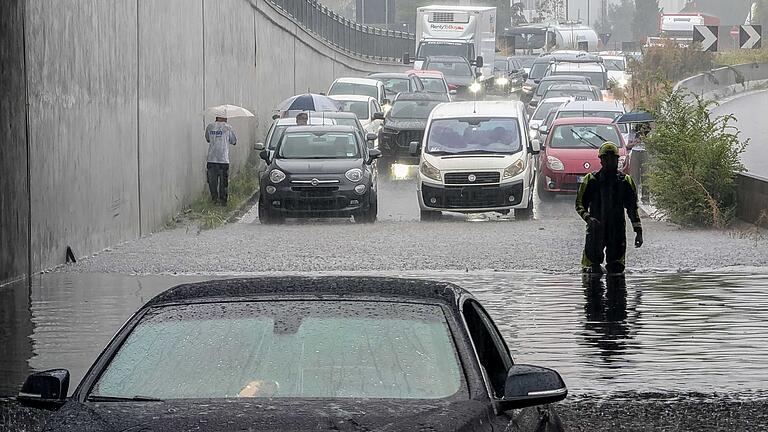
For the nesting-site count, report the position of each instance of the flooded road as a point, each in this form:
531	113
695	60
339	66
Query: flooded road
675	332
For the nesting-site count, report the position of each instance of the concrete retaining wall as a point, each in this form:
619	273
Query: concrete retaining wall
116	91
752	198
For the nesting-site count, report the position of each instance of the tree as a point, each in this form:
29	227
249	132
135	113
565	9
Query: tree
646	19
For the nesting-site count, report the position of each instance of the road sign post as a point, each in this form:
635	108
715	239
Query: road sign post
706	36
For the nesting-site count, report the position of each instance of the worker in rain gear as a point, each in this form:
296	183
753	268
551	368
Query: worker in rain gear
602	198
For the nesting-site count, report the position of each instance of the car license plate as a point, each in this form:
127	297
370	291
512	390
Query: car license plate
579	179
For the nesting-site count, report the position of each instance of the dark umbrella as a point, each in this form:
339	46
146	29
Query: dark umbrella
635	117
309	102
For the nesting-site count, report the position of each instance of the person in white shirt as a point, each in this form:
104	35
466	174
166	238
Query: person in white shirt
219	136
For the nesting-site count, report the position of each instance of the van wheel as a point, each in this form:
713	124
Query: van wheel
430	216
527	212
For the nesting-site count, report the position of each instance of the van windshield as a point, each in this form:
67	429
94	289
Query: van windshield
474	135
428	49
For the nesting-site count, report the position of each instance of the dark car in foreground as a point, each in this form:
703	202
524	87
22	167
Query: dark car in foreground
305	354
403	123
319	171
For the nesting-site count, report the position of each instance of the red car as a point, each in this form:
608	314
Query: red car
570	152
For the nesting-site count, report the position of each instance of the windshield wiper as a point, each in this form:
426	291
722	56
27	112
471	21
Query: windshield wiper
481	151
97	398
589	143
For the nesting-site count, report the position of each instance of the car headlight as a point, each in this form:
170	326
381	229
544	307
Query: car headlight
502	81
354	175
429	171
475	87
514	169
276	176
622	161
555	164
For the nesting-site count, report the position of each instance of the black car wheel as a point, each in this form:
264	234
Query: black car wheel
527	212
370	215
544	194
430	216
267	217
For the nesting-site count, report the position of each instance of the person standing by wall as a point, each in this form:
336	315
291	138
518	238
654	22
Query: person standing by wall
219	136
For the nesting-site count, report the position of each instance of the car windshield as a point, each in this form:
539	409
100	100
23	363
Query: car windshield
594	114
526	62
427	49
396	85
583	136
579	95
474	135
342	88
545	85
359	108
501	65
434	85
614	64
595	78
318	145
347	121
538	70
286	349
412	109
451	68
543	108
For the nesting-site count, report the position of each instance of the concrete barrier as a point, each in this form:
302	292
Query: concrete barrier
116	91
752	200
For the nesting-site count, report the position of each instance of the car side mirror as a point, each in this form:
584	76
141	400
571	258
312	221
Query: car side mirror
453	92
479	61
535	146
525	76
406	58
259	146
47	388
544	129
414	148
275	116
528	386
373	154
378	116
370	136
264	154
386	102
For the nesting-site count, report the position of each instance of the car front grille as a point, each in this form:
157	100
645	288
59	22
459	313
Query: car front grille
468	197
315	192
405	137
464	178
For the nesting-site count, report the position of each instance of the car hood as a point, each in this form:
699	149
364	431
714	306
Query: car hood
316	166
409	124
269	415
574	159
473	162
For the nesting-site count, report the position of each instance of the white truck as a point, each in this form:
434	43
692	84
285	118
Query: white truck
464	31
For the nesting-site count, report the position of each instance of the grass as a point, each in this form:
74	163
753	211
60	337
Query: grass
742	56
209	215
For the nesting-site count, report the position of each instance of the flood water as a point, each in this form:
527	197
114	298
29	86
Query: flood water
688	332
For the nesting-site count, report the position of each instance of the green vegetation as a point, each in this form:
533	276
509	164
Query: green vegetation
744	56
693	162
242	186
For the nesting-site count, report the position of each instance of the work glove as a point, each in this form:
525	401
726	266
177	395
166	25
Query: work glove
638	237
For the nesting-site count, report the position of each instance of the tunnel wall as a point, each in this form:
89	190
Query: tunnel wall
14	191
116	95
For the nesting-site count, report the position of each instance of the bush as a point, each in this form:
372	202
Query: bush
693	162
742	56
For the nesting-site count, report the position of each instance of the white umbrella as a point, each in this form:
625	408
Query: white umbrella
228	111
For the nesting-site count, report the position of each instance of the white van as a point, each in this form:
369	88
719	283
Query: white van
476	157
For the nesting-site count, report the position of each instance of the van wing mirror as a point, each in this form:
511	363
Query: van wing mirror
479	61
407	58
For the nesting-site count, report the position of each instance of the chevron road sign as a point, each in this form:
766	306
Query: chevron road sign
707	36
750	36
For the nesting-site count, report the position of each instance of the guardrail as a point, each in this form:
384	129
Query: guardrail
345	34
752	190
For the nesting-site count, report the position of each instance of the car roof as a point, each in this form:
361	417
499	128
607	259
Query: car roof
364	81
336	114
593	106
314	287
571	86
578	66
427	73
446	59
322	128
583	120
560	99
419	96
564	78
312	119
344	97
390	75
479	109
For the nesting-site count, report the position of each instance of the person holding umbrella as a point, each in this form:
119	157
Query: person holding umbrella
219	135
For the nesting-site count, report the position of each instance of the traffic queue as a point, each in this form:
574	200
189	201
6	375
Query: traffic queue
541	132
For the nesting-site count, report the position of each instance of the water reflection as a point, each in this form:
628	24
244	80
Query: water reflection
696	332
